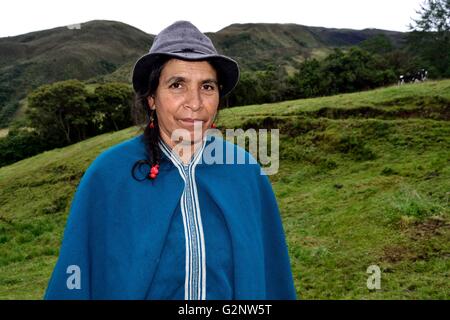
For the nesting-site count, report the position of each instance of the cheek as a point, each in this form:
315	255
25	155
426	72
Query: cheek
212	105
167	109
166	118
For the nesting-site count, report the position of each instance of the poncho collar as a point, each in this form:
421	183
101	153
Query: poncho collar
169	154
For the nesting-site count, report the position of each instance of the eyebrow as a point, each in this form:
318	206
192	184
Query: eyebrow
183	79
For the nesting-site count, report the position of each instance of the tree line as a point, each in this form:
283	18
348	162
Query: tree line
341	71
64	113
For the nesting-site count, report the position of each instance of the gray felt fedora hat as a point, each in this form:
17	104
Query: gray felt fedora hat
182	40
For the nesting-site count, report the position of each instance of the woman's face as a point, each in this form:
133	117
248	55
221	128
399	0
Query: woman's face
187	95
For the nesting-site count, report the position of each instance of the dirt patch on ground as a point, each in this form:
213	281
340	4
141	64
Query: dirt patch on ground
428	228
396	253
421	245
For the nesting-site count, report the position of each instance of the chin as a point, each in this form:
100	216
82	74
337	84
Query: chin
189	136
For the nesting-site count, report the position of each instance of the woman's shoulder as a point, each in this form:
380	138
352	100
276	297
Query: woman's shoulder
240	171
130	148
231	157
118	158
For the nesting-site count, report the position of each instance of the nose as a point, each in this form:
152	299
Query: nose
194	99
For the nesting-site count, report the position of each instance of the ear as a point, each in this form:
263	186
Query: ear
151	102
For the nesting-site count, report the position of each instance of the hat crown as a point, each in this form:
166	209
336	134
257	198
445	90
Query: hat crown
182	40
182	36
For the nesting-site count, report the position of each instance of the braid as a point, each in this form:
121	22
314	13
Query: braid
151	137
143	115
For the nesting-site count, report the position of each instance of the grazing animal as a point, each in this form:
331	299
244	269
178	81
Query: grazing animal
419	76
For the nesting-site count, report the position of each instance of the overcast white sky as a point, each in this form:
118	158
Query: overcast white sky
22	16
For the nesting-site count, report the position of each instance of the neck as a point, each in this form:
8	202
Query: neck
184	149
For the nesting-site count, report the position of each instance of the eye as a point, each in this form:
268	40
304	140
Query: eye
209	87
175	85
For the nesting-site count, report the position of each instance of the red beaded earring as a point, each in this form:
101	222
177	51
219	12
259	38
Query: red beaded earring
213	125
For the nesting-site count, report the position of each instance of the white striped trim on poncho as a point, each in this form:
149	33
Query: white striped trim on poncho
195	278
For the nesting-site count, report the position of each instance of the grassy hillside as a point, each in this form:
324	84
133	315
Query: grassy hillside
364	180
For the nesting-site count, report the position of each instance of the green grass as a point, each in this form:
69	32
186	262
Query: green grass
343	215
355	188
390	103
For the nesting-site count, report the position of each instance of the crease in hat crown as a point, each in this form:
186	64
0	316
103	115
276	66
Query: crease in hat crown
182	36
183	40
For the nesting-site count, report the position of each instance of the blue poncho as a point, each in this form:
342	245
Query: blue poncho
198	231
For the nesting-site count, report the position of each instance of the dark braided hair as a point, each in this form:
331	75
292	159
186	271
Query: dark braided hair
142	114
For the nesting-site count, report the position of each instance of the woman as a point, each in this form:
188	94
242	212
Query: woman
151	219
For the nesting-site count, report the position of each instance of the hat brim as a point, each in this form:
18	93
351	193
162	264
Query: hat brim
228	69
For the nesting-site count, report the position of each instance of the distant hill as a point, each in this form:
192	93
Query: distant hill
98	47
255	45
106	51
33	59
